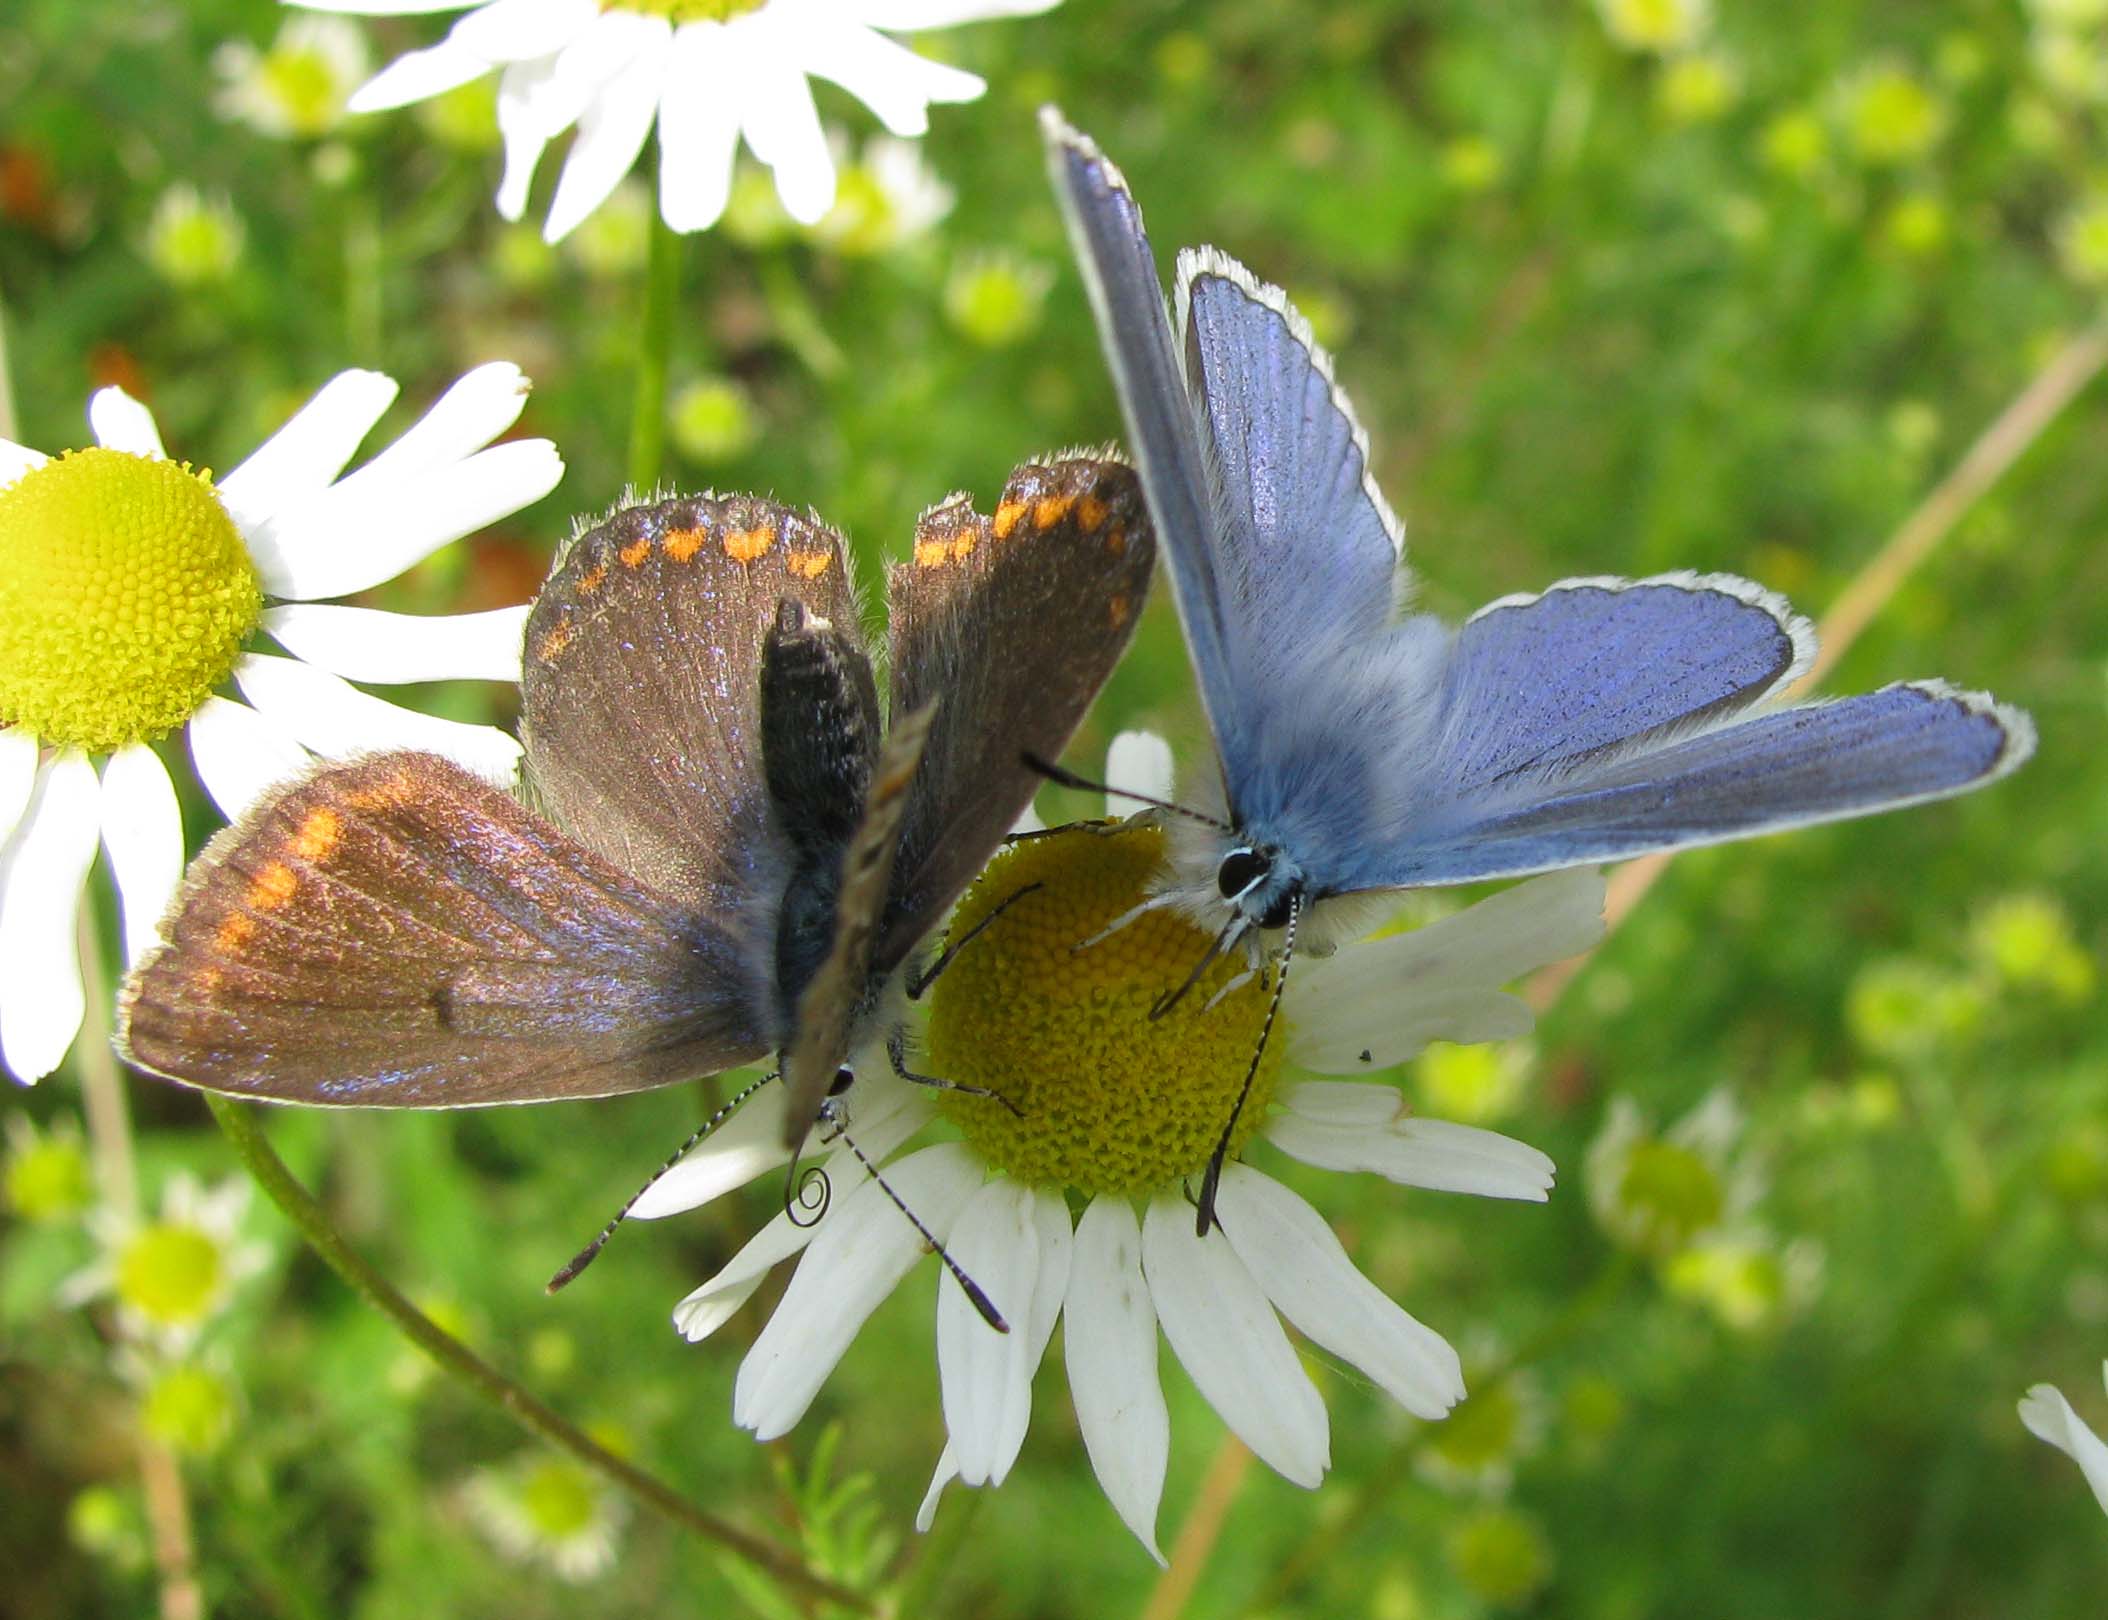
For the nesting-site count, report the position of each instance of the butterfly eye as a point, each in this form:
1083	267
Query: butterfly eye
844	1078
1240	869
1277	913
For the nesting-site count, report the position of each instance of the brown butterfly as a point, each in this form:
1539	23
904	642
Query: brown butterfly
727	859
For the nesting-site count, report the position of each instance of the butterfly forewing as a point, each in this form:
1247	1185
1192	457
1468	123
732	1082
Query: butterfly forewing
641	682
835	997
396	932
1011	623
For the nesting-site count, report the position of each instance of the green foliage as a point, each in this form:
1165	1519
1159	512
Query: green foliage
1604	311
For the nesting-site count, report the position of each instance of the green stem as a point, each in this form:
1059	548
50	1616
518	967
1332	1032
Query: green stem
647	429
300	1207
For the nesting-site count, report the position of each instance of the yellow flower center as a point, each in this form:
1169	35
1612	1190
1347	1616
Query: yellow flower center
558	1500
304	85
686	11
125	593
170	1273
1107	1100
1673	1191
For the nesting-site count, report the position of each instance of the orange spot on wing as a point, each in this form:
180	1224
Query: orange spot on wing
682	544
388	792
1120	608
932	553
1049	510
272	887
234	931
744	545
318	833
1092	513
592	579
633	555
809	564
1006	517
1116	541
554	642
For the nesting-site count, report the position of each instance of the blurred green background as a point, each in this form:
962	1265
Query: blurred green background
1616	289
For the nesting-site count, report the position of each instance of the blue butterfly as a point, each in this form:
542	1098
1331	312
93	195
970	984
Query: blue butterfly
1364	750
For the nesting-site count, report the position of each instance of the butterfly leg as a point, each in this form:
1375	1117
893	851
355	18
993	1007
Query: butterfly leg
897	1051
919	982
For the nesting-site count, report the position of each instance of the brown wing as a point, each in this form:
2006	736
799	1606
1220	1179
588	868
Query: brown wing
1014	622
828	1009
641	686
397	932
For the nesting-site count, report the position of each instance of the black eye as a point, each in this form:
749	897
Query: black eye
844	1078
1240	869
1277	913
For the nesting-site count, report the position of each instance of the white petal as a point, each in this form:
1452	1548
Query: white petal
1389	997
1221	1327
122	423
1287	1246
514	30
364	644
301	458
550	102
783	128
351	538
905	16
2048	1416
240	755
17	459
18	775
698	129
520	89
947	1471
1139	761
748	1144
337	720
1110	1346
849	1269
480	405
878	1132
885	76
611	132
418	76
1015	1244
1430	1153
1345	1102
142	828
42	868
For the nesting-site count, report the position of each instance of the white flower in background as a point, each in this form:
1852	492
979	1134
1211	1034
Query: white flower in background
1660	1192
1657	26
544	1509
710	72
299	88
2048	1416
171	1275
1123	1112
888	197
129	587
191	240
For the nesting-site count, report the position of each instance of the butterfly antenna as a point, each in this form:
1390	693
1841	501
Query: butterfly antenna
1213	1179
917	983
1061	776
591	1252
973	1290
1232	931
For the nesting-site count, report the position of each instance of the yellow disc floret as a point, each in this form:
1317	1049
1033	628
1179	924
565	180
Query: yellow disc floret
685	11
1107	1100
125	593
171	1273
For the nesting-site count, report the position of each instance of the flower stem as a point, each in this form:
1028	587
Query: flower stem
662	285
110	1139
1201	1530
314	1224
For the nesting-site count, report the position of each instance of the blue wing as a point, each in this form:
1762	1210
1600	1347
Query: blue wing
1904	744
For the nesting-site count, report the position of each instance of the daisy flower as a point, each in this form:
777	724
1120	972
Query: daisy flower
708	71
548	1510
169	1276
298	89
1116	1114
2048	1416
130	586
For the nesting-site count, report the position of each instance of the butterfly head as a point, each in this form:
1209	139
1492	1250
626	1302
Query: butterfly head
1260	883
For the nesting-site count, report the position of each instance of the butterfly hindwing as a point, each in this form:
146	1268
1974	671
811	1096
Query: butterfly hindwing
397	932
642	668
1011	623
